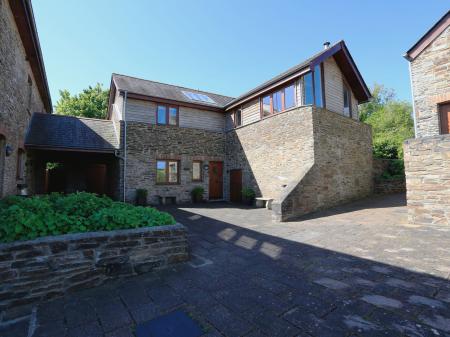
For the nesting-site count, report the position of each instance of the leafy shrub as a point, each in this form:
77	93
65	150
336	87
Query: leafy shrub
248	193
55	214
385	149
395	170
197	191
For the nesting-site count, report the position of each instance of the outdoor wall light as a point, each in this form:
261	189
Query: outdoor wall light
206	167
8	150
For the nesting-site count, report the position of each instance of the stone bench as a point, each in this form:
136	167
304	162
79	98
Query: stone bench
167	200
264	202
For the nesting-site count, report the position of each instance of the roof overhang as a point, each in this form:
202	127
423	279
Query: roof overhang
429	37
342	57
169	101
23	15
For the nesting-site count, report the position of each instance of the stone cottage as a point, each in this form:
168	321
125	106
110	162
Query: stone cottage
427	157
23	88
295	139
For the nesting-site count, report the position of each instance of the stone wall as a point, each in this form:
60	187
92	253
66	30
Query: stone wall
427	168
18	99
341	169
386	186
272	153
431	84
146	143
52	266
306	159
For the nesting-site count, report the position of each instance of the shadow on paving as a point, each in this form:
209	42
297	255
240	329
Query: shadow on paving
242	282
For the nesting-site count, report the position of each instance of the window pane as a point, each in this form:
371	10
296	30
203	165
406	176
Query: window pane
196	171
308	89
318	85
238	117
266	106
289	97
162	114
173	171
161	171
277	102
347	99
173	116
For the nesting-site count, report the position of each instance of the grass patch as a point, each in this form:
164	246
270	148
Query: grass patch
56	214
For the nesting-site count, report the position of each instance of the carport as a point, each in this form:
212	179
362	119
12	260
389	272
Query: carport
68	154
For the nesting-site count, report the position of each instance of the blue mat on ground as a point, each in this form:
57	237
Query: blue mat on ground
174	324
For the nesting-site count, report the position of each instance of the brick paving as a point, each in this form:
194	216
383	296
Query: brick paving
355	270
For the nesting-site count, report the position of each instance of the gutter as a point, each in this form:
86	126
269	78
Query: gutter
125	95
413	103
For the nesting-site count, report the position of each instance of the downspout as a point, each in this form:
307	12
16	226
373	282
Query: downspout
413	103
124	109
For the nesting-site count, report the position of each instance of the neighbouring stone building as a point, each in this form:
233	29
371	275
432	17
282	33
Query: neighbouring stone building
427	157
23	90
295	139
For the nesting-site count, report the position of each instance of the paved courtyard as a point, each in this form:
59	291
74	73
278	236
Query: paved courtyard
355	270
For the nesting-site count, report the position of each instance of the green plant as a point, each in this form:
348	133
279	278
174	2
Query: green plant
248	193
197	191
197	194
55	214
395	170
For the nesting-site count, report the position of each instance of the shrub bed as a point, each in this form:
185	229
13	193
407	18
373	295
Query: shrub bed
55	214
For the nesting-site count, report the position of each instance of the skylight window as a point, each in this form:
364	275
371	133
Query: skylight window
198	97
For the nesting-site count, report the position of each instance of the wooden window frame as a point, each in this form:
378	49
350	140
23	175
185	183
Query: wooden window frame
20	169
167	108
349	91
201	171
234	118
283	105
167	172
441	122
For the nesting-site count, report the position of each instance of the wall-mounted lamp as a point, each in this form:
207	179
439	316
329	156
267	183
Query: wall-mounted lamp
206	167
8	150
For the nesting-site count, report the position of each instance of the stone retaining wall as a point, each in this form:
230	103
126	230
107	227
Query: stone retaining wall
427	168
390	186
52	266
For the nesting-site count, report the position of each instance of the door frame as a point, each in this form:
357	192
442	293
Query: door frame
231	184
209	180
440	115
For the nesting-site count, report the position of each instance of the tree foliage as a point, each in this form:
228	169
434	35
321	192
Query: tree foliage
91	102
391	122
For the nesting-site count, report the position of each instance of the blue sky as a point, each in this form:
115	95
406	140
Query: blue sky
226	47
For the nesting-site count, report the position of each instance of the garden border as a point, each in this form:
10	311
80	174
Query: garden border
52	266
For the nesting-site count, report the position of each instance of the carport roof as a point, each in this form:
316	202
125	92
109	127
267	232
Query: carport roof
57	132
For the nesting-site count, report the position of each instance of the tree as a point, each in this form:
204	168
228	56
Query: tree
391	122
91	102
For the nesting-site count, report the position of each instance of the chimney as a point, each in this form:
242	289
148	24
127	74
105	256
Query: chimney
326	45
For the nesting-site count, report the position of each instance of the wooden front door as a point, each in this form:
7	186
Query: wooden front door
236	185
444	117
215	180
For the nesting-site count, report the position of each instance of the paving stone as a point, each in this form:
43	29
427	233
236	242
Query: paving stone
311	324
270	324
54	328
382	301
227	322
437	321
164	298
331	283
92	329
429	302
19	329
78	313
134	295
113	315
144	313
122	332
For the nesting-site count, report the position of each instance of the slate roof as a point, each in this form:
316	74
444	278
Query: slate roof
166	91
59	132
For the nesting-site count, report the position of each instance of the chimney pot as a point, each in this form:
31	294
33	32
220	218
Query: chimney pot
326	45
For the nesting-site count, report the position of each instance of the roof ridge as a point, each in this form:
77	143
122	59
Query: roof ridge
172	85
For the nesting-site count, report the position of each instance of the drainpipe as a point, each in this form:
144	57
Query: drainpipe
124	109
413	103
